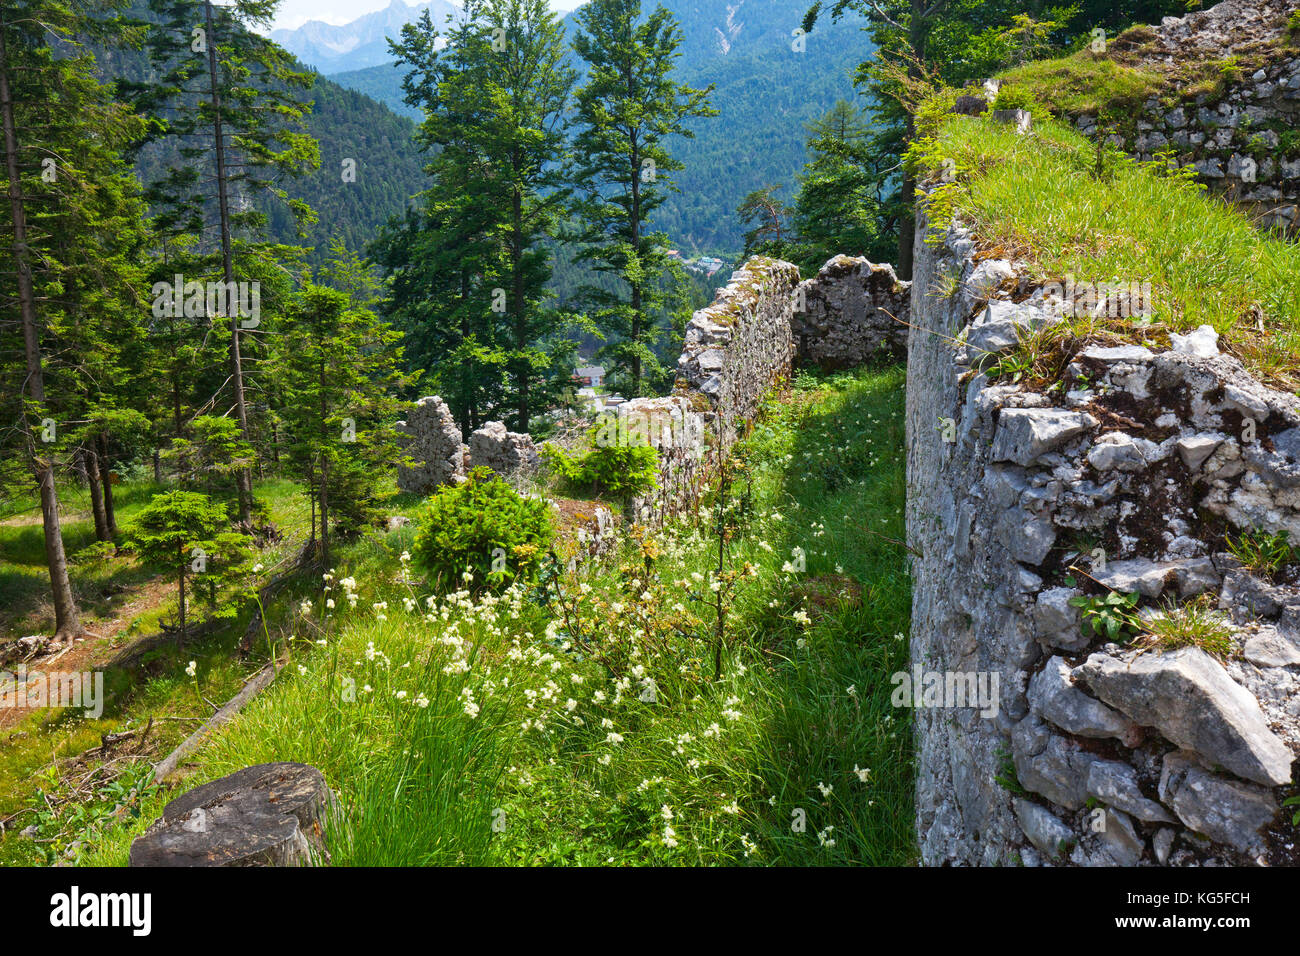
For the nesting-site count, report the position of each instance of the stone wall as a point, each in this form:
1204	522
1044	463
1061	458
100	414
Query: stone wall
432	446
735	350
1128	477
852	312
739	346
1239	136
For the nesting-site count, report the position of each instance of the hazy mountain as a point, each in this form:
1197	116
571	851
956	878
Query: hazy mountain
361	43
768	85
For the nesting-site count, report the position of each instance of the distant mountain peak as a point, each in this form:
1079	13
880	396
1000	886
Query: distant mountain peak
361	43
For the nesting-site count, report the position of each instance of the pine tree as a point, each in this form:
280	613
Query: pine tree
338	368
230	97
186	534
627	110
837	209
494	101
73	223
766	217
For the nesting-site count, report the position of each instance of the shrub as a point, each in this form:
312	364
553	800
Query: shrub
482	526
619	462
186	535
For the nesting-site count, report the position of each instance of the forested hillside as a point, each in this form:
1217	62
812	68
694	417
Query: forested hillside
768	84
348	125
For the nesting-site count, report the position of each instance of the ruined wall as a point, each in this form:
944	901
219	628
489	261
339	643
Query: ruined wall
432	446
739	346
1240	135
1129	475
735	350
852	312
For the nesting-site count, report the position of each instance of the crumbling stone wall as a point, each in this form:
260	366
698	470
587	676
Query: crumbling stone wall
735	350
1128	476
739	346
432	446
851	312
505	452
1240	137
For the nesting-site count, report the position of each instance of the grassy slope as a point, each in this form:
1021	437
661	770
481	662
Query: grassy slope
1038	198
138	603
799	706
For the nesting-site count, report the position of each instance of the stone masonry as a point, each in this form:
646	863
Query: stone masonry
1021	502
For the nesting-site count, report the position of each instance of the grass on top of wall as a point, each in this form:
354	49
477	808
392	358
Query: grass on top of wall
1051	199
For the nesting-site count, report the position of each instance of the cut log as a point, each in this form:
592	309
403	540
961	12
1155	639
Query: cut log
271	814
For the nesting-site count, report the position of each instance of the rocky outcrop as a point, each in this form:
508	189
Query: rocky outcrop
432	446
1126	475
851	312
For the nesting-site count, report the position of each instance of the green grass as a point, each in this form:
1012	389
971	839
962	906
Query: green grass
1084	84
35	754
600	735
100	581
1036	198
1194	624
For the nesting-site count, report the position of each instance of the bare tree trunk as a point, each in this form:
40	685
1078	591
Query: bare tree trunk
90	464
180	580
517	304
324	478
635	217
67	621
243	477
106	478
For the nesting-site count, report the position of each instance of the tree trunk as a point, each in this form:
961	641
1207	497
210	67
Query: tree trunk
243	477
917	28
517	305
67	621
90	464
106	477
180	579
634	217
324	477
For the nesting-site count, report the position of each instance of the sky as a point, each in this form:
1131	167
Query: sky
294	13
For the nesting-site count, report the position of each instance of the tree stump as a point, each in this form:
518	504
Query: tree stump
271	814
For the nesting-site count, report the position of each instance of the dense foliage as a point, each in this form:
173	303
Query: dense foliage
480	533
618	461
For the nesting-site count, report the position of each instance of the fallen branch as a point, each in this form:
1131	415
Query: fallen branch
259	682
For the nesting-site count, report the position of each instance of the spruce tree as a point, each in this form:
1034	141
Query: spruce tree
337	372
232	100
494	101
627	110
